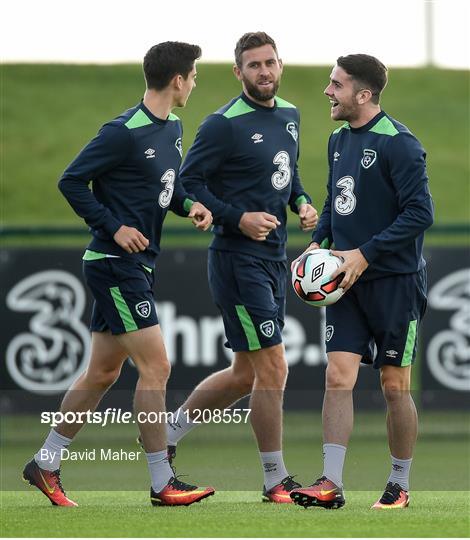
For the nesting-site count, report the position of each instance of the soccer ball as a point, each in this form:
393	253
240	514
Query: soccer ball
311	278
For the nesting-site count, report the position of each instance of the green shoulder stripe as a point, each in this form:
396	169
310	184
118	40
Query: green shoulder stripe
137	120
385	127
237	109
283	104
344	126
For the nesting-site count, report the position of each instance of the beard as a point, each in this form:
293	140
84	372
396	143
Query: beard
260	94
347	113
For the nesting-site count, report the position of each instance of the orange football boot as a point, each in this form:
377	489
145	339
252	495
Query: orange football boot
394	496
48	482
177	493
281	492
322	493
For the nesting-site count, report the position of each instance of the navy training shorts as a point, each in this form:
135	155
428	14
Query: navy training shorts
379	319
251	295
123	293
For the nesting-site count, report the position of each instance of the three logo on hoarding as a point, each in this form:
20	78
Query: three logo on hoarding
49	356
448	352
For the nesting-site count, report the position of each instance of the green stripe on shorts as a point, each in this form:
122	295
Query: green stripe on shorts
249	328
93	255
410	345
123	309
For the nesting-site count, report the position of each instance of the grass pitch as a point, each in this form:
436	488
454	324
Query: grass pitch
114	499
232	514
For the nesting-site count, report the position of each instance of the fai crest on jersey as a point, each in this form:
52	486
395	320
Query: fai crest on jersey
267	328
179	146
369	157
292	129
143	309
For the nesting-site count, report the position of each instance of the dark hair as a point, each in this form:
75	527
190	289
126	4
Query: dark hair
366	71
165	60
252	40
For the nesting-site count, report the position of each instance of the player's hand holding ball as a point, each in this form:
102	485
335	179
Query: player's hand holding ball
353	266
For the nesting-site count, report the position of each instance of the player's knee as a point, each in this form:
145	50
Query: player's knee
103	379
394	386
272	373
337	379
244	381
155	374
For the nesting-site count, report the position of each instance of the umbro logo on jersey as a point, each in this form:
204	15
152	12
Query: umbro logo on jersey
257	138
369	157
391	353
149	153
336	156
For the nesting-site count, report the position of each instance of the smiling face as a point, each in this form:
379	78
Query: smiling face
260	74
349	99
343	95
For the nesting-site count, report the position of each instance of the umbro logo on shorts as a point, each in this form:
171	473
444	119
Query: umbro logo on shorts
143	309
267	328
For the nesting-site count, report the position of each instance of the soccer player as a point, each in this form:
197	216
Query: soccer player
376	211
133	164
243	167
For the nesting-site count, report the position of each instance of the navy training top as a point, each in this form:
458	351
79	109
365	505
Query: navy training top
378	196
133	164
244	159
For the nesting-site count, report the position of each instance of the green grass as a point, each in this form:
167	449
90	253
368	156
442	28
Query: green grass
50	111
232	514
113	496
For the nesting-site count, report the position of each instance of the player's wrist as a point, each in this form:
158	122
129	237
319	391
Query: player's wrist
188	204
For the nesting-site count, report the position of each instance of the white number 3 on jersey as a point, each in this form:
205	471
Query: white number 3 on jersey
168	179
281	178
345	202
